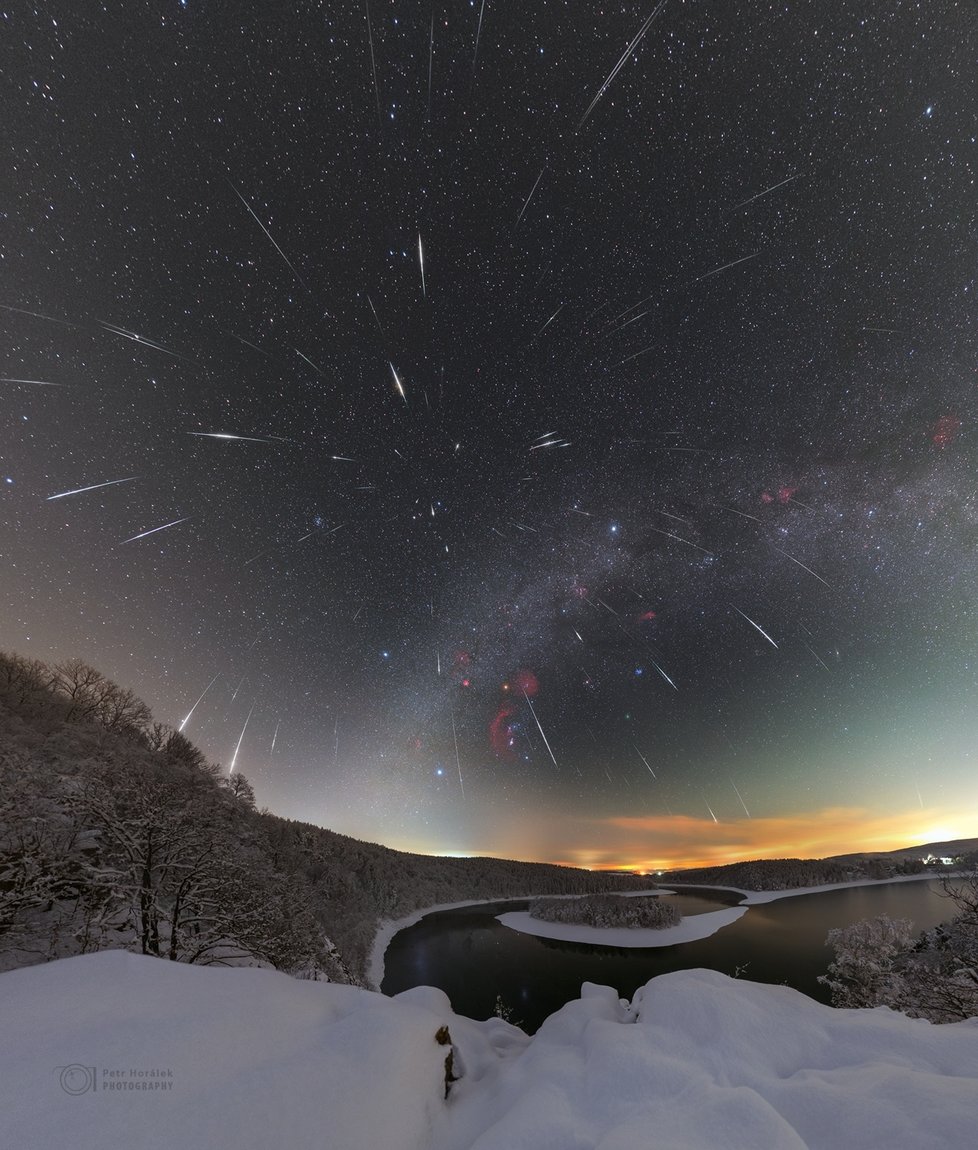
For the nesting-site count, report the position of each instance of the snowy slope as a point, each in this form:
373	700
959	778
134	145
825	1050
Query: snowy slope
250	1059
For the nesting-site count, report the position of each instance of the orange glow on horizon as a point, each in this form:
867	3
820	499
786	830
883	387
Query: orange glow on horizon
677	842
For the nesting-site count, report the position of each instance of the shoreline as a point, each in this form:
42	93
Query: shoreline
759	897
387	928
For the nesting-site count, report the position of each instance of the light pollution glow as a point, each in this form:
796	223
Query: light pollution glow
664	842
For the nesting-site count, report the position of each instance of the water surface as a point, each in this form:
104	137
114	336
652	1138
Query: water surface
473	958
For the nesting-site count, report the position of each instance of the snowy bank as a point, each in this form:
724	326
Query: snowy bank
758	897
114	1049
390	926
691	929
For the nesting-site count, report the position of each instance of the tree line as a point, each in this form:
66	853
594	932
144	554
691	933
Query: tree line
608	911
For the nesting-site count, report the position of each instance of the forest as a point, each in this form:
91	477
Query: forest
115	832
608	911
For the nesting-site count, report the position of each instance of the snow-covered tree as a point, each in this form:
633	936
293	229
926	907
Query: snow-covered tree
863	971
879	962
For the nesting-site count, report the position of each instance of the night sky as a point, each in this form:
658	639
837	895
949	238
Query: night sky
539	429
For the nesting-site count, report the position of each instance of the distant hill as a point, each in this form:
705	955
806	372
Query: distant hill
956	848
794	873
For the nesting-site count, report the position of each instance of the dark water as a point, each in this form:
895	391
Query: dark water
473	958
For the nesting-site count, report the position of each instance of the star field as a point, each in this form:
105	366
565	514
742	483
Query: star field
543	431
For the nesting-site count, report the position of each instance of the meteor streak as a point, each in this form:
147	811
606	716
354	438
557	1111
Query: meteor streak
732	264
37	315
234	757
424	290
94	487
153	530
646	761
801	565
316	369
383	334
741	797
225	435
268	233
458	761
526	203
756	627
539	728
373	64
194	707
140	339
478	34
397	383
679	538
773	188
550	321
816	655
621	63
734	511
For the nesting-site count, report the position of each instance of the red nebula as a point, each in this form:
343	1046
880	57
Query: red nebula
767	497
466	682
785	493
945	430
526	683
646	616
500	731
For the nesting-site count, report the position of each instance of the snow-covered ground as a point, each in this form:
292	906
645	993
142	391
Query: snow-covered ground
115	1049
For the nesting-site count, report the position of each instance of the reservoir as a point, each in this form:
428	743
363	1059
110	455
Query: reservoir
473	958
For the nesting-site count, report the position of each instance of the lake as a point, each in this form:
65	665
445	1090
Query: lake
473	958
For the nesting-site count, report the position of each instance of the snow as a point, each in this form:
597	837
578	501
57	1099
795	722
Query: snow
757	897
691	929
249	1058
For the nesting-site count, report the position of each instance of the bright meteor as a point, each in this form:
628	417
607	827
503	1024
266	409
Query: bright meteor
93	487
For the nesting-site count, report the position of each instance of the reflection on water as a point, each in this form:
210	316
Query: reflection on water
473	958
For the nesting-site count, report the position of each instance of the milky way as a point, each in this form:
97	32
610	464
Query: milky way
523	420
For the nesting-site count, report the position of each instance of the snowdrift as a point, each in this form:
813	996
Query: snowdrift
114	1049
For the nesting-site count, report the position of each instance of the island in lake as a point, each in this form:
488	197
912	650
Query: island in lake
608	911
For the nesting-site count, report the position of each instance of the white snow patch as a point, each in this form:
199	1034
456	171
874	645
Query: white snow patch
696	1060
